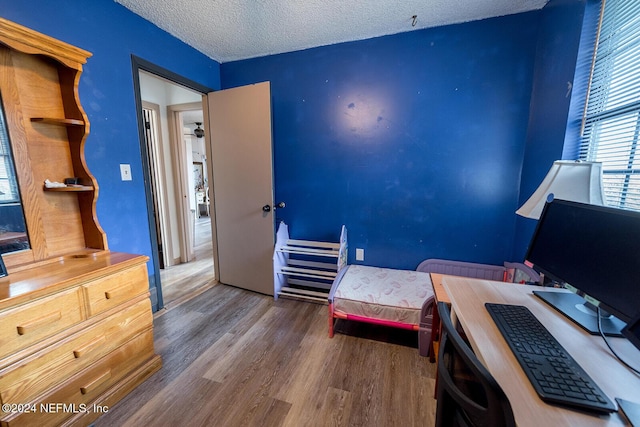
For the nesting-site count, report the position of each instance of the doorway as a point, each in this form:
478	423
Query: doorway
168	108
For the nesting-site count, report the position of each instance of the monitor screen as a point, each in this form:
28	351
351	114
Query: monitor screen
594	249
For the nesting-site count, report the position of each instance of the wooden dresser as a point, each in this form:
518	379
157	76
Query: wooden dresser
76	335
76	327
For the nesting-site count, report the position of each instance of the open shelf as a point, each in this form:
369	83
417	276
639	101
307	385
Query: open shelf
312	248
74	189
58	122
303	294
298	274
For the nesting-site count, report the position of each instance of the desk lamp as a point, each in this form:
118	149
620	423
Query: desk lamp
571	180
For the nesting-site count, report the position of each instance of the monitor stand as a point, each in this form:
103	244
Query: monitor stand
573	306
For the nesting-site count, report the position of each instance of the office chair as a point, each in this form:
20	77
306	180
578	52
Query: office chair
467	393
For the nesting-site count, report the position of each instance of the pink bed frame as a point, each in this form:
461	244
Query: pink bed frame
423	328
434	265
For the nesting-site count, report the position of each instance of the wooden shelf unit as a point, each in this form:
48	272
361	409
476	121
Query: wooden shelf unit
302	268
47	127
76	325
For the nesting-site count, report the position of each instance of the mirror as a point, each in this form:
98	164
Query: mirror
13	230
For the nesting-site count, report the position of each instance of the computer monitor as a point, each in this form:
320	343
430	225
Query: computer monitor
595	252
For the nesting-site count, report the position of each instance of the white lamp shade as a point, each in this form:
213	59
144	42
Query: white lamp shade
567	180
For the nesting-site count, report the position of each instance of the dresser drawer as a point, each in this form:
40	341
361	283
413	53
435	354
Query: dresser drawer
108	292
23	326
30	377
78	392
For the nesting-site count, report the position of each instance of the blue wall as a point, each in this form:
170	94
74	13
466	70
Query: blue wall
553	81
113	34
413	141
418	142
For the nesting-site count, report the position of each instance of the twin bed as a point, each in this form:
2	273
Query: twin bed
396	298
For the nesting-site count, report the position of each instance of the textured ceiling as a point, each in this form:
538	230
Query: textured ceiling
228	30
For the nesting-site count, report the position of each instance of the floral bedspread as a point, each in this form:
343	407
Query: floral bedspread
382	293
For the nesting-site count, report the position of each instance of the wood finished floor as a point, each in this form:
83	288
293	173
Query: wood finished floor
236	358
184	281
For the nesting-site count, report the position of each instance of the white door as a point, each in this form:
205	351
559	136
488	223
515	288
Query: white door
242	173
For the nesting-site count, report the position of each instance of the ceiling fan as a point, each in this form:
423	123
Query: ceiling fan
198	132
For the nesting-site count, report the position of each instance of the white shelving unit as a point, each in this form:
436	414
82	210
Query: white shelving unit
305	269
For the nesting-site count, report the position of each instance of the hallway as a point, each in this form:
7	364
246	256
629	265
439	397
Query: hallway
184	281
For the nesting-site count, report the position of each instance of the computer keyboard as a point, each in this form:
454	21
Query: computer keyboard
555	375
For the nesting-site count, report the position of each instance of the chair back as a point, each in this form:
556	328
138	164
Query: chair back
467	393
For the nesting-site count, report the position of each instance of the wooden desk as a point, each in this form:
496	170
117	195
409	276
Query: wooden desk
440	295
438	288
467	300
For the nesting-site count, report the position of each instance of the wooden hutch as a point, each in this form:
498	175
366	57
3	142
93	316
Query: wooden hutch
76	328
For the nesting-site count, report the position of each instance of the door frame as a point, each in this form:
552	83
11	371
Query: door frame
181	168
139	64
158	181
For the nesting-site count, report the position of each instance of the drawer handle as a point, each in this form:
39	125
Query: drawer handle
113	292
96	383
39	322
82	351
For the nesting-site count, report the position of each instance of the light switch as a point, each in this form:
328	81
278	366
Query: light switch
125	172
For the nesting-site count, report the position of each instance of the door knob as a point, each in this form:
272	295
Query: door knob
267	208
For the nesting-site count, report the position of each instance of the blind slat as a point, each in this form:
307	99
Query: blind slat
611	121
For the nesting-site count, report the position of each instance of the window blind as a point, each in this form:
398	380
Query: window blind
611	122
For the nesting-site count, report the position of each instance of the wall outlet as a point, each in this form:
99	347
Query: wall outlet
125	172
359	254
